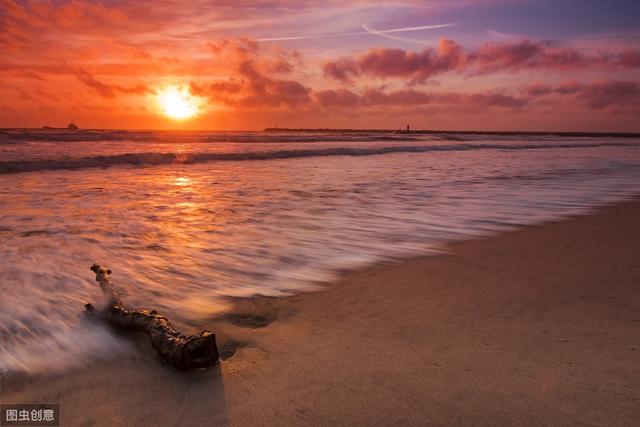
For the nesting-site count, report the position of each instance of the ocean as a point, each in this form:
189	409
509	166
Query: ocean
188	219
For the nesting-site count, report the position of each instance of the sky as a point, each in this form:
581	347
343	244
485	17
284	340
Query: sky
569	65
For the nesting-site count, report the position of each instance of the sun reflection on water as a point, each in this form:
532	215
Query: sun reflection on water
183	181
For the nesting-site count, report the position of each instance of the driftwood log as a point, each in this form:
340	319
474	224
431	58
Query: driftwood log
180	351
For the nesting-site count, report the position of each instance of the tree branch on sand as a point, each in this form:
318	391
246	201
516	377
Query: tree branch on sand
182	352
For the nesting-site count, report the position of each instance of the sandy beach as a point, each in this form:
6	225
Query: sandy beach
539	326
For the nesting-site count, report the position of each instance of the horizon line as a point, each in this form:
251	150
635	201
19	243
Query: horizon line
352	130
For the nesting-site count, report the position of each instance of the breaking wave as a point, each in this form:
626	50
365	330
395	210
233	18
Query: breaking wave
151	159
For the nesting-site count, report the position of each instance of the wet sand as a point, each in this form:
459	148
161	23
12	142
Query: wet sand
537	326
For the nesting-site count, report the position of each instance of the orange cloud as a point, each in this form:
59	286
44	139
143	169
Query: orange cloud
107	90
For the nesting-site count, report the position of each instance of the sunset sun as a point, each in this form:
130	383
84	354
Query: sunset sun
178	103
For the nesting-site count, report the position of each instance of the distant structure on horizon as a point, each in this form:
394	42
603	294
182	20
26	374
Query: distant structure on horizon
570	134
70	126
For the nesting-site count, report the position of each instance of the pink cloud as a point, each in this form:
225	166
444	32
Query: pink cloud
591	96
450	57
342	69
254	85
385	63
342	98
339	98
595	95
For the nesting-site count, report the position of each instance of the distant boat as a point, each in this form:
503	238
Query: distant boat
71	126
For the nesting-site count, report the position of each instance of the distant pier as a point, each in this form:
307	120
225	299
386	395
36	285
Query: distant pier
461	132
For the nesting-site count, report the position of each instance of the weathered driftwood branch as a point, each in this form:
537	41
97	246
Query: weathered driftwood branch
195	351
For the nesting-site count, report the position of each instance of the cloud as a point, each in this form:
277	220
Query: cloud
386	63
596	95
255	85
342	69
592	96
337	98
600	95
450	57
42	72
270	60
252	89
344	99
625	59
106	90
23	22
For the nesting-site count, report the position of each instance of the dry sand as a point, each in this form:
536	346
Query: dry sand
537	326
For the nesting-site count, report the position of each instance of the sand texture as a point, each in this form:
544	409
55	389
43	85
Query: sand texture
539	326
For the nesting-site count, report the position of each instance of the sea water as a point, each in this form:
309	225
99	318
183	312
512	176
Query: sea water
187	219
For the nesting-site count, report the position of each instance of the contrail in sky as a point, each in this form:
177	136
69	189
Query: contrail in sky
367	31
386	35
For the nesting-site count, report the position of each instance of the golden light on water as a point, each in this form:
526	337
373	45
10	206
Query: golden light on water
183	181
178	103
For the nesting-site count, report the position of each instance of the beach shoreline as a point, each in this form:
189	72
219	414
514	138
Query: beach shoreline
534	326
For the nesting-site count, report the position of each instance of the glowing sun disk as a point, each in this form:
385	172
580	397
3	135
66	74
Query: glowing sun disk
178	103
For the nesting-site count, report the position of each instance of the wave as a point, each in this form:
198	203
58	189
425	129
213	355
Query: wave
170	137
17	136
153	159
